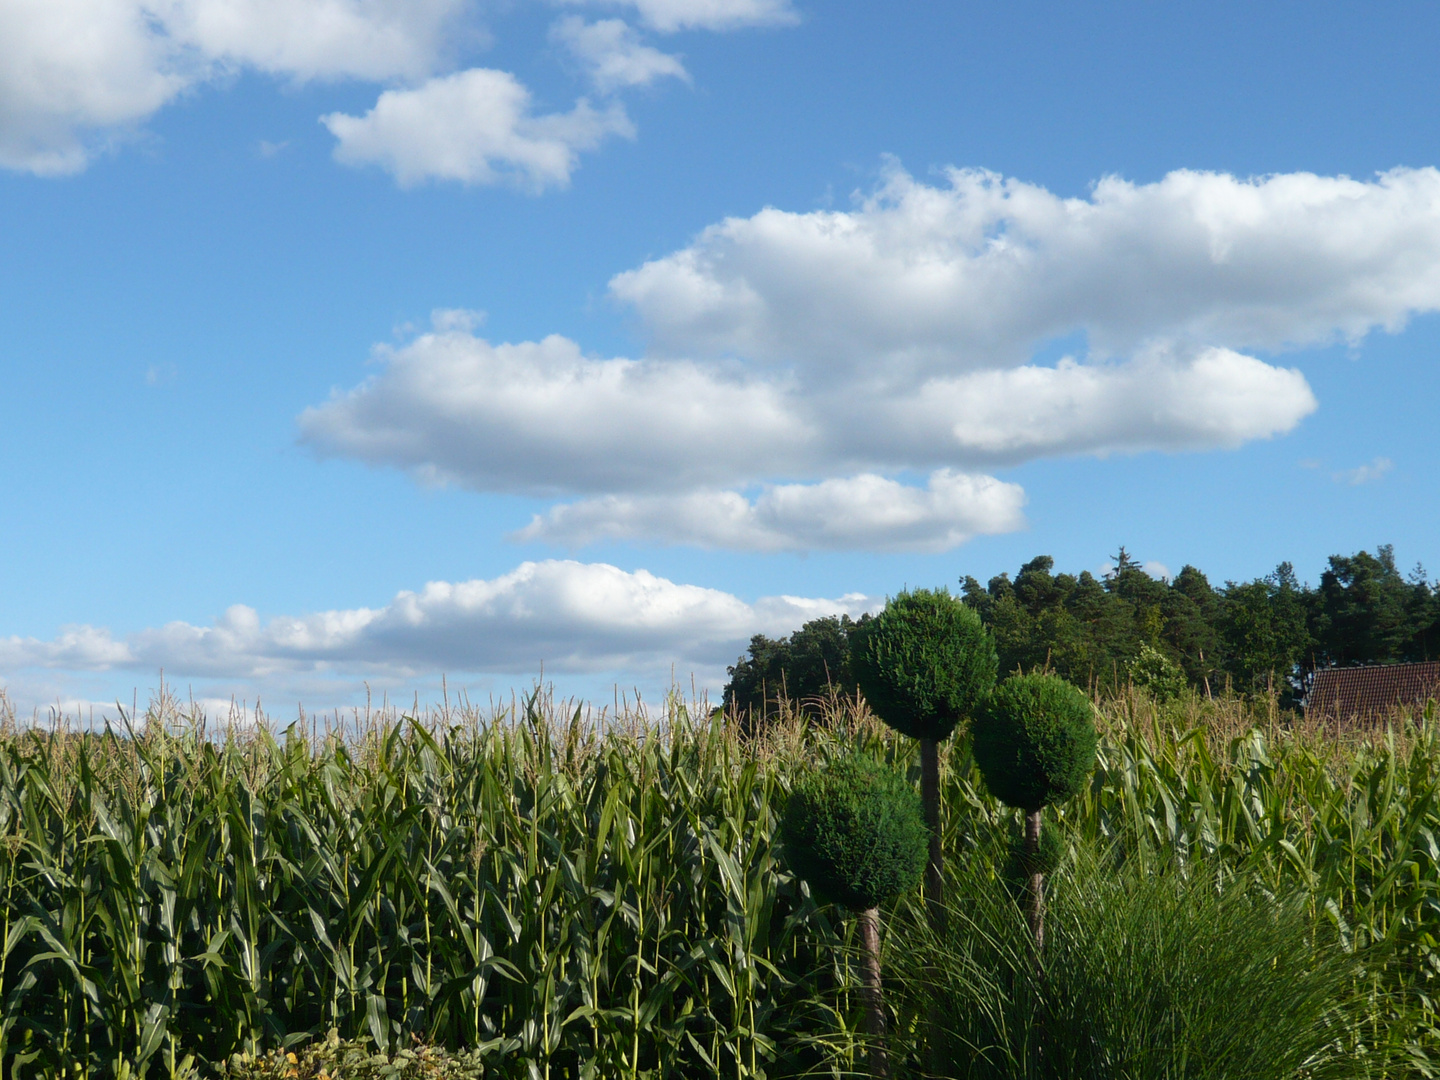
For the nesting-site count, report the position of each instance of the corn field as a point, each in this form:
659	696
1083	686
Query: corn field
575	895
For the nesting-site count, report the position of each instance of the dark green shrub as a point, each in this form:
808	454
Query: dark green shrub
1035	741
854	831
924	663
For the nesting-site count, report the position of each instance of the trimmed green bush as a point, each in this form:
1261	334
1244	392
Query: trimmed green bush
1035	741
924	663
854	831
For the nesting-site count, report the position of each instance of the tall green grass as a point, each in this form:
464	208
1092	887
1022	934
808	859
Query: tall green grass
1173	973
575	895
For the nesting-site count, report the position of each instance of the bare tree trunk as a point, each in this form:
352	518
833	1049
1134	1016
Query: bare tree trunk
1035	913
930	796
874	1003
934	870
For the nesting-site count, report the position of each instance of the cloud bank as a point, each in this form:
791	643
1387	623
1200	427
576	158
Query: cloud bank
80	76
866	511
976	273
800	361
564	616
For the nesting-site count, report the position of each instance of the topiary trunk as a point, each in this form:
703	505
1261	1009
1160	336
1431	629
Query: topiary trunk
930	798
874	1002
1035	909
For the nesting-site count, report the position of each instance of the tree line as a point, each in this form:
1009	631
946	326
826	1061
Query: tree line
1126	626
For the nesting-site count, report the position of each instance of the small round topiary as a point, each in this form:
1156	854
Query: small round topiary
1035	741
924	663
854	831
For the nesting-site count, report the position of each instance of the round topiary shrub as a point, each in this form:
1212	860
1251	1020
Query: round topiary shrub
924	663
854	831
1035	741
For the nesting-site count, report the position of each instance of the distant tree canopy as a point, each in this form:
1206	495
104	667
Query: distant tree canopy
802	668
1103	632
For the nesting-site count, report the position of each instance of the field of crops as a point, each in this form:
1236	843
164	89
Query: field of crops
572	895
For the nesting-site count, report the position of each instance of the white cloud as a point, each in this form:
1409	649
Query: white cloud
75	75
866	511
72	68
474	126
1364	474
567	616
797	352
78	76
1160	400
613	55
317	39
541	417
979	272
668	16
80	647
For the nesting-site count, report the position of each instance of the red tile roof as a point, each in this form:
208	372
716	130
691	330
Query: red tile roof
1371	693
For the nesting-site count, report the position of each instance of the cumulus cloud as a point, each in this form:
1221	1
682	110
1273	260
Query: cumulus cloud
1163	399
1364	474
800	353
668	16
543	418
83	648
317	39
474	126
613	55
978	272
567	616
77	74
864	511
69	67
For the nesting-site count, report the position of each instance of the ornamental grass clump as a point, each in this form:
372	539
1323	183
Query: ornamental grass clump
924	664
1035	744
854	832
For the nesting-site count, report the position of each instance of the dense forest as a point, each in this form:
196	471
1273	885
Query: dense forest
1261	636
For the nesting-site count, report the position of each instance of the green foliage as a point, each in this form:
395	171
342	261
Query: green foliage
564	896
1157	674
354	1059
1181	974
1365	612
1035	741
557	894
1020	863
801	669
1264	626
924	663
1257	637
854	831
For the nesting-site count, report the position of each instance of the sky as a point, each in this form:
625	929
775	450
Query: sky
349	346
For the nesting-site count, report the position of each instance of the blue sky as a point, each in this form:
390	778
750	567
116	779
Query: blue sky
350	342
